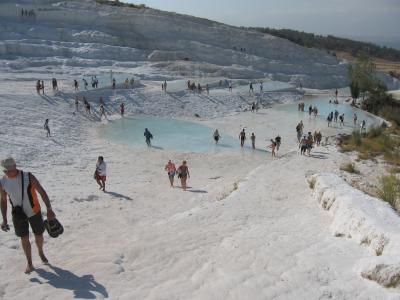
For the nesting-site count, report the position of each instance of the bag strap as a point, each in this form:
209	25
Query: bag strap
22	189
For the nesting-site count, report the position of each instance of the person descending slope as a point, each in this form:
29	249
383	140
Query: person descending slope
46	127
147	134
21	189
183	174
100	174
171	170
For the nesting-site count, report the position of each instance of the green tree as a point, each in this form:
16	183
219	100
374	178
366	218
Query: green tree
362	74
354	90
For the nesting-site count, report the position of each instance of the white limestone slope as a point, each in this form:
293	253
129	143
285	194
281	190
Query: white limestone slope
87	30
369	221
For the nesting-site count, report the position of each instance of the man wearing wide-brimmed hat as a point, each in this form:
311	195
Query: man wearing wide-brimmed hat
21	188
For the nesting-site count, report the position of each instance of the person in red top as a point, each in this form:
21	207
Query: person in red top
171	170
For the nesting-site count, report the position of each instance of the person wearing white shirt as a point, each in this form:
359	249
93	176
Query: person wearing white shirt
101	173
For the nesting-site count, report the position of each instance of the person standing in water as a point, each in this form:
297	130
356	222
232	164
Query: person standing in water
38	87
273	146
277	142
147	134
253	140
46	127
216	136
113	83
102	111
251	88
100	174
165	85
76	104
355	118
122	108
21	189
242	137
171	170
76	85
183	174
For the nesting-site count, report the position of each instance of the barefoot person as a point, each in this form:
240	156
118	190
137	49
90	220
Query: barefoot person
253	140
101	173
183	174
47	128
242	137
21	188
272	146
171	170
216	136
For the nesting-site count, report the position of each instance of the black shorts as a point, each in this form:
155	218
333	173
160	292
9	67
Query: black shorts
21	224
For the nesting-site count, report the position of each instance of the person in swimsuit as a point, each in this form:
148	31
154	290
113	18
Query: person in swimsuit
147	134
242	137
272	146
253	140
171	170
122	108
183	174
216	136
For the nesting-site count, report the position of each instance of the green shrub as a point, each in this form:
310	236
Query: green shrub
389	189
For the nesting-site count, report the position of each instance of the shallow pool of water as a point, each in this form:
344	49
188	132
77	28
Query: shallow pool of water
324	108
105	79
169	134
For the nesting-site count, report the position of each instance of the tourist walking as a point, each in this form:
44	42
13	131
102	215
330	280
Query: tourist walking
362	126
216	136
183	174
54	84
21	189
253	140
102	111
278	142
341	118
122	109
38	87
147	134
171	170
242	137
47	128
272	146
76	103
100	174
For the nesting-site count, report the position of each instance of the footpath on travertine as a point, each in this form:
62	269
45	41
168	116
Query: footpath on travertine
265	239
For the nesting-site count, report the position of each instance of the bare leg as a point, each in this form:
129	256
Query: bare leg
104	185
26	245
99	183
39	243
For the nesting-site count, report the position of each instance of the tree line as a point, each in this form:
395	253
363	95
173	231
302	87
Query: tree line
332	43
